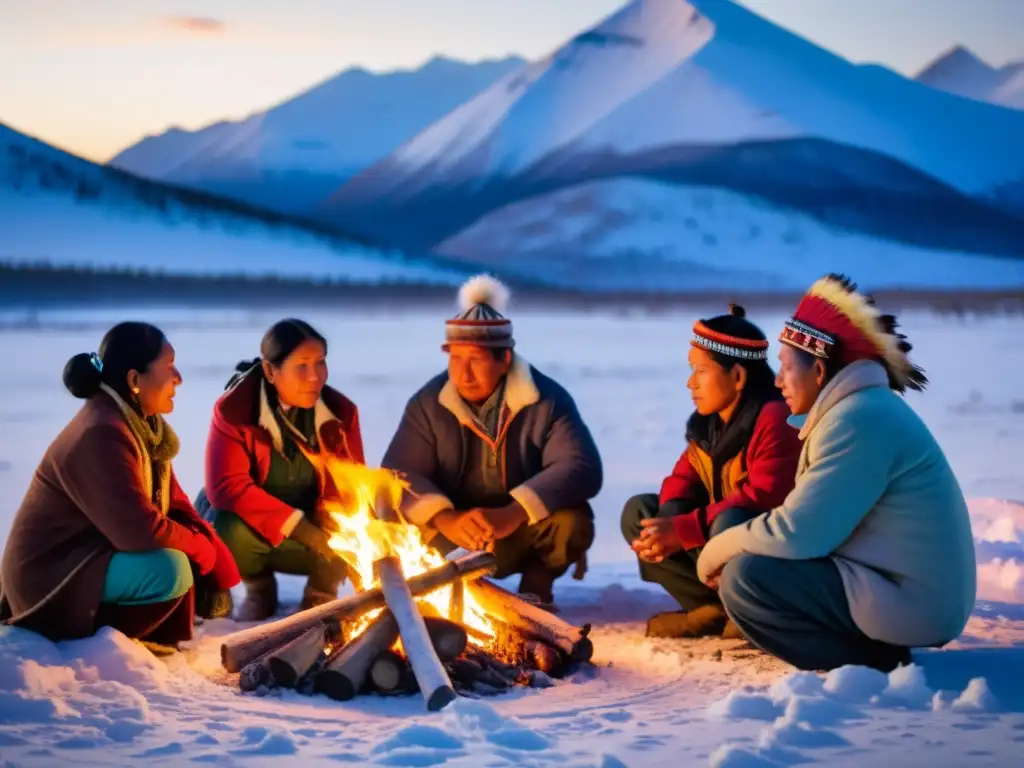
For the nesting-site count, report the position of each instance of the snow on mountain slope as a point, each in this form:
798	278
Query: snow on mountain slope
316	139
61	210
662	85
787	87
962	72
631	234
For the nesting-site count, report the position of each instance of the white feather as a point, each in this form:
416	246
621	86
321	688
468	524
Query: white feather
484	289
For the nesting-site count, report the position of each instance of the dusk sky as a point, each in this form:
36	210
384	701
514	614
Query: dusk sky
93	76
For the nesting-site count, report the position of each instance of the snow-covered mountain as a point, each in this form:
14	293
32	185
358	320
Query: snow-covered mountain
962	72
705	92
60	210
656	236
293	155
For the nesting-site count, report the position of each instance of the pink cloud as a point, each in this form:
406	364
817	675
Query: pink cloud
196	25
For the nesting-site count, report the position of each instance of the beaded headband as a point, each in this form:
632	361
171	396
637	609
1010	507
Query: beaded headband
724	344
804	337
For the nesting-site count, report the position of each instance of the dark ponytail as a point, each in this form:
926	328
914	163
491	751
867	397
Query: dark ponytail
760	376
125	347
279	342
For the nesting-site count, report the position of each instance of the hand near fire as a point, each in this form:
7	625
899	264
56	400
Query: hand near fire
657	540
503	521
477	529
463	529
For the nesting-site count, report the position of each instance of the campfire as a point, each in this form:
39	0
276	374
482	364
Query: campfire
417	622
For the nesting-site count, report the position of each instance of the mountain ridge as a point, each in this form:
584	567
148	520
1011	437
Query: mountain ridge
707	93
296	151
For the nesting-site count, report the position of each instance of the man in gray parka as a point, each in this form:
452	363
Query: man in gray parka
496	453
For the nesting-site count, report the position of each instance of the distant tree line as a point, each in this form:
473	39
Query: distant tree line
39	285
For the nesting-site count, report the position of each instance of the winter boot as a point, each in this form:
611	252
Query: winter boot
260	599
311	597
731	631
537	586
158	626
213	604
702	621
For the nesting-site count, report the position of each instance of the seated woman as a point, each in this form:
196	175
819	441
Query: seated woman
740	461
105	535
263	483
872	553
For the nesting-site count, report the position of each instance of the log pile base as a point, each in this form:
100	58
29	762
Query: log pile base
530	647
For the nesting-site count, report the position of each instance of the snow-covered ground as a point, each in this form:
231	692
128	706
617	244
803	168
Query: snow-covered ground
106	701
122	237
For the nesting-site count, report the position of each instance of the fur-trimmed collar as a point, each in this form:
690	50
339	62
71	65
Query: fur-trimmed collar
863	374
520	391
321	415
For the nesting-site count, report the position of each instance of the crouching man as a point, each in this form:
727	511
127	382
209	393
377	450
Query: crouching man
496	453
871	554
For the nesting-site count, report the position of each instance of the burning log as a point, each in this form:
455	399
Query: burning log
545	658
457	602
433	680
533	622
448	638
345	671
391	673
292	660
241	648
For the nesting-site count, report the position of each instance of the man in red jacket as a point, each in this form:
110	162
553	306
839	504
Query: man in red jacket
740	461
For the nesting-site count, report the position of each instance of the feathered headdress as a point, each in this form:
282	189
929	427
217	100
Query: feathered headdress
835	322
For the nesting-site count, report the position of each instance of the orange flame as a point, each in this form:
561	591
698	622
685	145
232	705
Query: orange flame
361	539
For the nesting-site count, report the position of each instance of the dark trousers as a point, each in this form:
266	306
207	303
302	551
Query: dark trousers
677	574
255	556
797	610
541	552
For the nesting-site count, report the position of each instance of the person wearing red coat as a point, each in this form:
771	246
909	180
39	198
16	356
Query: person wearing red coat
740	461
105	536
264	479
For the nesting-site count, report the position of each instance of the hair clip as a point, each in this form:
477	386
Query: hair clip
97	363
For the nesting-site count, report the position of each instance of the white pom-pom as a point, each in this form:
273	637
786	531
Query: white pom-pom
484	289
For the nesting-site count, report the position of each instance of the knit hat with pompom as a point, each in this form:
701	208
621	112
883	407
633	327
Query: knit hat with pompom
480	321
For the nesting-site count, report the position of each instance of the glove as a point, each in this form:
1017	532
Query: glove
314	539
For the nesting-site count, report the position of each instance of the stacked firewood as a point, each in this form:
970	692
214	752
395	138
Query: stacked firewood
407	647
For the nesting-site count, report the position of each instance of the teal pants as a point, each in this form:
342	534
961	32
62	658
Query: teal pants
140	578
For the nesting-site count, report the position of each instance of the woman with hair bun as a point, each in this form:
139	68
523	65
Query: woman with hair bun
105	535
740	461
263	481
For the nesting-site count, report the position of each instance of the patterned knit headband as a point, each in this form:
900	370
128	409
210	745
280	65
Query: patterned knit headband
732	346
804	337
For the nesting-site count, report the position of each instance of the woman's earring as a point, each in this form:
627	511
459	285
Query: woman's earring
135	390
